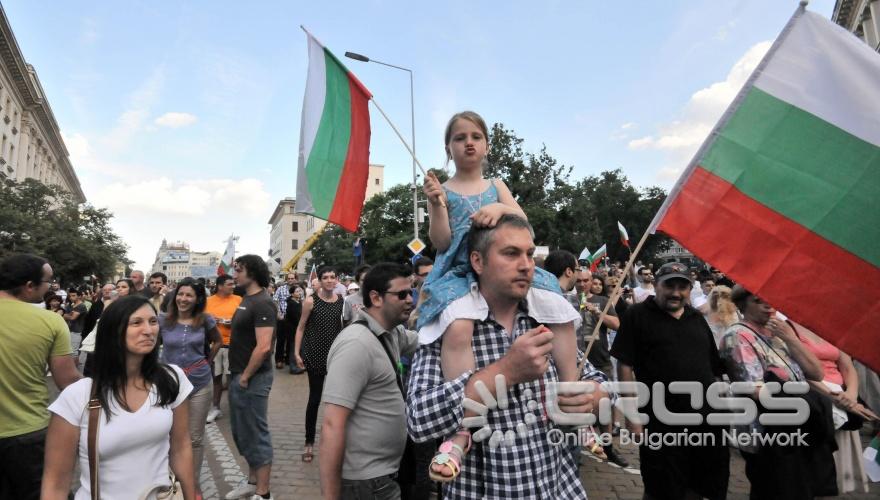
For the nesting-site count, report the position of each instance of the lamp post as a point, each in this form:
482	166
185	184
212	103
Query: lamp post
412	107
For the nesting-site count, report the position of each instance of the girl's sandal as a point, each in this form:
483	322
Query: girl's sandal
449	455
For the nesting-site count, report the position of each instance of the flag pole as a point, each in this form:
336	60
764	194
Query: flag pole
405	144
614	295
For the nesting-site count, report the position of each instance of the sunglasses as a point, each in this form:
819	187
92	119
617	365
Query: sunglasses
401	295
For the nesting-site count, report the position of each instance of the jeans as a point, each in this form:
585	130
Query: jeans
380	488
316	387
21	465
248	417
199	405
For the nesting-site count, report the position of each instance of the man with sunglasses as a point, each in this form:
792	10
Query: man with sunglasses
422	267
646	285
364	429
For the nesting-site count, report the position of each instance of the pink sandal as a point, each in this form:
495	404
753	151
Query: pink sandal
449	455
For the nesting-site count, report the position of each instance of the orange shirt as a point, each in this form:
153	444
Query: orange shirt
223	309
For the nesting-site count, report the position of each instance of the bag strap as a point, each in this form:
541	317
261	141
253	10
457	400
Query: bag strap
758	335
94	408
395	365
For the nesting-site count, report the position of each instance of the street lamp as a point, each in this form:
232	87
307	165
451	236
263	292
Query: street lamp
412	106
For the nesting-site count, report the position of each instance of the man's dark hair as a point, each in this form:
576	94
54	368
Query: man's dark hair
360	272
255	268
421	262
324	270
223	279
17	270
480	238
160	275
558	261
379	277
109	373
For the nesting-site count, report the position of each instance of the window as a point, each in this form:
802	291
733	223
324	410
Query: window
295	226
377	181
294	244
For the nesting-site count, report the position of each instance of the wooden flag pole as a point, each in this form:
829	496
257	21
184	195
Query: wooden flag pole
405	144
614	295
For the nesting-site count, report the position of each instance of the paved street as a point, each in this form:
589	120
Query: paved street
293	479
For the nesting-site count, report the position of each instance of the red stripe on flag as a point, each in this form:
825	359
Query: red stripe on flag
350	193
812	280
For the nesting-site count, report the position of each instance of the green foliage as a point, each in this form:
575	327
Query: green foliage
565	214
46	221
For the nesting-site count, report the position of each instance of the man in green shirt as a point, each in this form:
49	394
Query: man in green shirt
30	338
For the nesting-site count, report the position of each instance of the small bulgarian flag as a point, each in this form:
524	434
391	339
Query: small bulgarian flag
225	266
334	141
597	257
624	238
585	255
783	195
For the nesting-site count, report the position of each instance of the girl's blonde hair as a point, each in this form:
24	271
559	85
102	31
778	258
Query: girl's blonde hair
721	304
470	116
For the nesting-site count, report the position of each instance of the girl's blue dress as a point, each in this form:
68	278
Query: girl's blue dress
450	291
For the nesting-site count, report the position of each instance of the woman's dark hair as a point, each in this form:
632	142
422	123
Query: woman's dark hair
198	316
379	277
324	270
604	291
109	369
130	284
256	269
49	297
17	270
740	297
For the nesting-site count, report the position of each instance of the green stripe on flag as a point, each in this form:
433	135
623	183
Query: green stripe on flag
330	149
804	168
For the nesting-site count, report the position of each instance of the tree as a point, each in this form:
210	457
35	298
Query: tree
46	221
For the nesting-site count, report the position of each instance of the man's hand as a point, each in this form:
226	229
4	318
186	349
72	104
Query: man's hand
582	403
527	358
243	382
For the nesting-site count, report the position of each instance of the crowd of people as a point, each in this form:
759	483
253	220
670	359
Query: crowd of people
446	372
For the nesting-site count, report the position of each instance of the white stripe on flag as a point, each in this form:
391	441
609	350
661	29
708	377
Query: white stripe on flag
313	109
828	72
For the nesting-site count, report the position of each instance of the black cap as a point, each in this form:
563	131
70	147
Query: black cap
672	270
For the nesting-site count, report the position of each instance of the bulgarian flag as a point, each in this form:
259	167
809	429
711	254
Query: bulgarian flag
585	255
624	238
225	266
334	141
783	195
597	257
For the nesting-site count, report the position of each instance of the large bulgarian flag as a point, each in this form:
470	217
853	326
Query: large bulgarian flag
334	144
784	195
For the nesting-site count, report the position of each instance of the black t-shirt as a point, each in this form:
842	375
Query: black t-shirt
257	310
661	348
77	324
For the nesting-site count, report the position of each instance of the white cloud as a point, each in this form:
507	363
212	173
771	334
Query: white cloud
681	137
627	125
175	120
132	119
201	197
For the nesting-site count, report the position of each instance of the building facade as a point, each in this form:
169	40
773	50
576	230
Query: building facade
31	146
290	230
177	261
861	17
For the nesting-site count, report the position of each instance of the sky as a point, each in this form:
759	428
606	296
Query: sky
183	117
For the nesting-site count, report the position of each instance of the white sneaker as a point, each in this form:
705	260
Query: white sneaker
244	489
213	414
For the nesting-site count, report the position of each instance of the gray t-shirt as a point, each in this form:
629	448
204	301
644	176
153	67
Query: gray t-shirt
352	304
360	377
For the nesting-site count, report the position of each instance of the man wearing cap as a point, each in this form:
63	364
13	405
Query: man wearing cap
663	339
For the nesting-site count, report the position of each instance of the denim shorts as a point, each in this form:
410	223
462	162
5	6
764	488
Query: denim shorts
248	409
380	488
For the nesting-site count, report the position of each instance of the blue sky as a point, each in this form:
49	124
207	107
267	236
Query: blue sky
183	117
